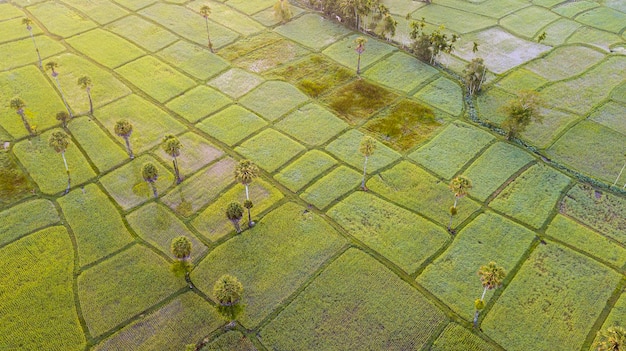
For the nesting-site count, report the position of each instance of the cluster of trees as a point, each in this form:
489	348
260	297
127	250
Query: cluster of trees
356	12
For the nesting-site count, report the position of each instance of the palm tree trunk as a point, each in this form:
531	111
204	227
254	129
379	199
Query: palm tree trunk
154	189
620	174
175	162
249	219
476	318
358	66
90	101
36	48
130	151
208	34
364	173
482	298
451	215
67	170
63	97
25	121
236	225
247	193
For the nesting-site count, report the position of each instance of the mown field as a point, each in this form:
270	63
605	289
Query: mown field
327	266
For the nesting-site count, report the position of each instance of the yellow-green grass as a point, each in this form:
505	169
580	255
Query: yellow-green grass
372	310
411	187
453	277
212	222
99	146
457	338
106	87
127	186
441	15
105	47
268	17
333	185
39	312
271	55
198	103
400	71
611	115
558	31
604	212
61	20
314	75
150	123
404	125
250	7
300	29
490	104
158	226
46	167
303	170
552	303
8	11
25	218
532	196
591	148
344	52
494	167
14	185
358	100
22	52
399	235
100	11
135	4
401	7
232	124
451	149
311	124
272	259
189	24
591	36
581	237
195	192
581	94
619	93
616	317
270	149
123	286
230	341
95	222
245	46
193	59
528	21
230	18
235	82
604	18
195	153
443	94
41	100
571	9
143	33
564	62
346	148
154	77
273	99
184	320
14	29
553	123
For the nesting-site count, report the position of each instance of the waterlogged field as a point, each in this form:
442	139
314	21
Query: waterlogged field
327	266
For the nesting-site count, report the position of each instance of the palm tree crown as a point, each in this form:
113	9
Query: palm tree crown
491	275
612	339
460	186
27	21
149	172
246	171
59	141
368	146
123	128
17	104
84	82
181	247
171	145
227	290
205	11
52	66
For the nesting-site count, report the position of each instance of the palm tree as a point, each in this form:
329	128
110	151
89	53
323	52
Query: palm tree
612	339
282	11
27	21
171	145
52	66
59	141
248	205
123	128
18	105
245	172
85	83
360	47
367	148
150	174
460	186
491	277
63	117
228	292
234	212
205	11
389	27
181	248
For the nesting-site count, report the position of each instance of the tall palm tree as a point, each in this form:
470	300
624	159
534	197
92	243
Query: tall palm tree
228	292
18	105
52	66
181	248
360	48
85	83
367	148
491	277
460	186
248	205
123	128
150	174
27	21
171	145
63	117
205	11
59	141
245	172
234	212
612	339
